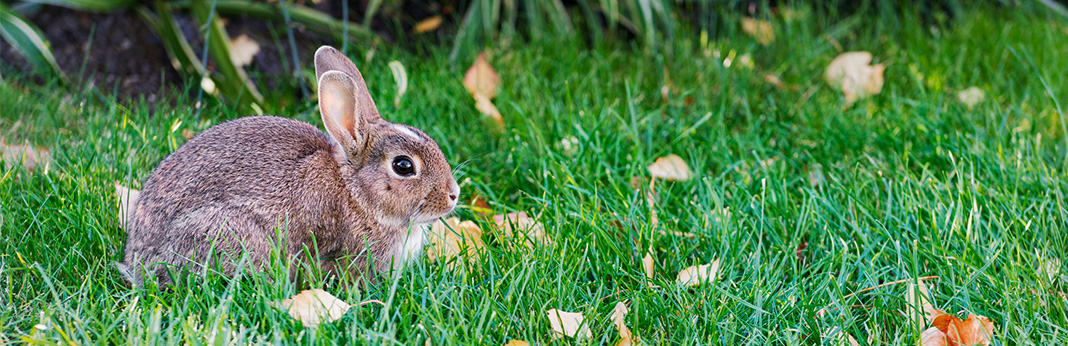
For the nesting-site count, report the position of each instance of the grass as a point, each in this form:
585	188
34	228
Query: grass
908	183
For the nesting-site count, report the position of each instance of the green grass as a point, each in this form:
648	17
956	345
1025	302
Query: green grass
913	184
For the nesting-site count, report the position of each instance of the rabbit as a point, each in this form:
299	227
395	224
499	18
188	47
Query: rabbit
361	193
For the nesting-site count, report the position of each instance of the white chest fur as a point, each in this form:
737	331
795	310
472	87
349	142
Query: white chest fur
411	247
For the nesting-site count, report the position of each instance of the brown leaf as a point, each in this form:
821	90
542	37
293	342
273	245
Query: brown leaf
429	24
127	199
520	225
30	157
569	324
976	330
312	307
933	337
481	79
760	30
696	275
671	168
851	74
455	238
243	49
479	205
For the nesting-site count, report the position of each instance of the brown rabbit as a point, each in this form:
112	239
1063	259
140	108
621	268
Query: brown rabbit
364	191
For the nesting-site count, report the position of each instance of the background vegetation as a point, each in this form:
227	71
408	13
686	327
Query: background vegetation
804	199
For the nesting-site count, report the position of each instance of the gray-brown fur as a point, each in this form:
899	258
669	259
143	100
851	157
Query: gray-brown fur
231	187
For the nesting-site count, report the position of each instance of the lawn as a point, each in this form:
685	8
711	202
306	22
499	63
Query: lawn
802	198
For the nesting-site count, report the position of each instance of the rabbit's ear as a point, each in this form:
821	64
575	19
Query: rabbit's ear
338	105
329	59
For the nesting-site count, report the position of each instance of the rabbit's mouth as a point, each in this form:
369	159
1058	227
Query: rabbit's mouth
420	217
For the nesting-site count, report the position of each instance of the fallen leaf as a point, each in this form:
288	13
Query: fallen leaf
479	205
243	49
188	134
760	30
453	238
745	61
839	337
127	199
976	330
30	157
401	76
933	337
1049	268
851	74
522	226
671	168
569	324
696	275
919	307
516	343
648	265
312	307
484	105
619	319
481	78
971	97
429	24
208	86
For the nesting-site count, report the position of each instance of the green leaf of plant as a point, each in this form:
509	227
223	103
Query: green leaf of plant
88	5
27	40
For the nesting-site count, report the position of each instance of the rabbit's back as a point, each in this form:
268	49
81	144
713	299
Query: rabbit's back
230	187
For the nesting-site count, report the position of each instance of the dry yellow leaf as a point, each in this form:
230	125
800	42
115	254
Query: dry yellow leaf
243	49
569	324
127	199
671	168
619	319
30	157
516	343
919	307
481	78
520	225
851	74
484	105
453	238
313	307
695	275
1049	268
648	265
971	96
429	24
760	30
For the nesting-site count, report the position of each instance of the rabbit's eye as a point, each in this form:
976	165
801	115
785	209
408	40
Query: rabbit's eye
402	165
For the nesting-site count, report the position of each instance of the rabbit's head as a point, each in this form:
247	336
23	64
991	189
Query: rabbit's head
394	172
